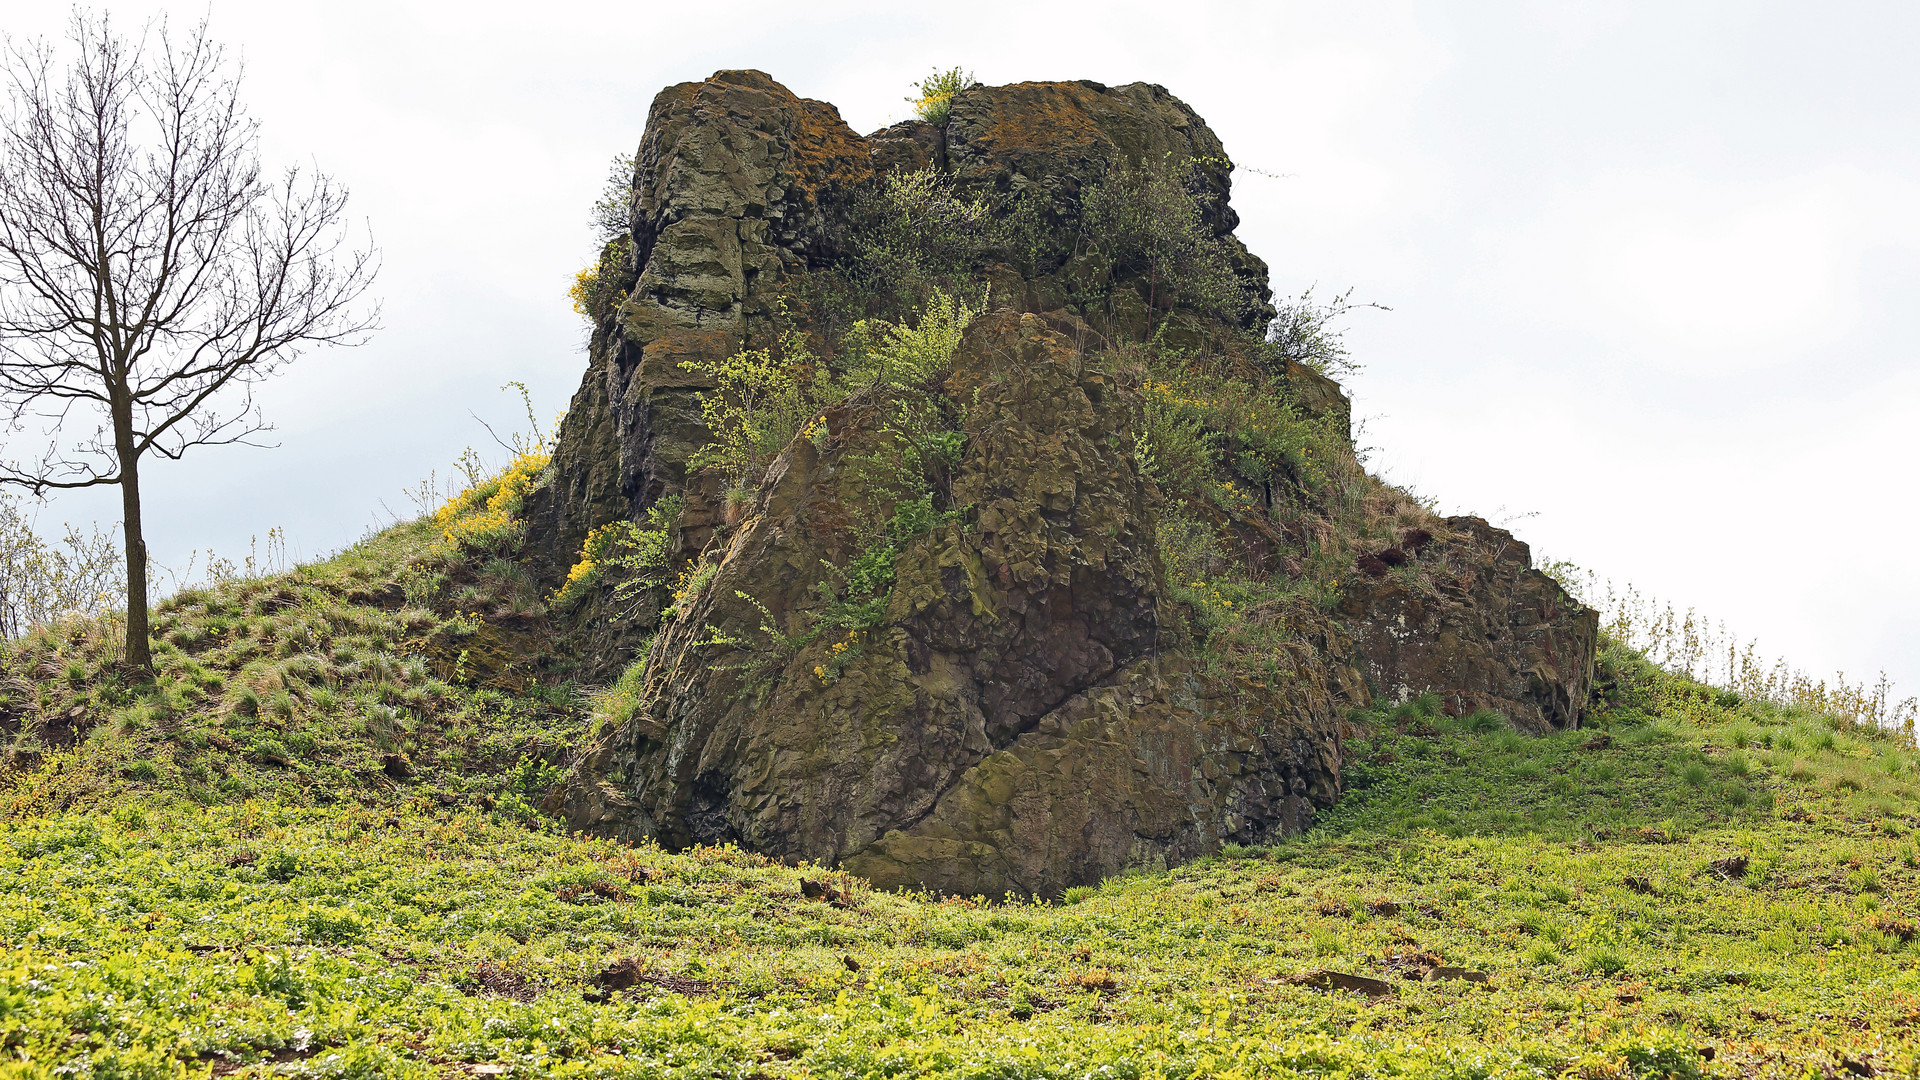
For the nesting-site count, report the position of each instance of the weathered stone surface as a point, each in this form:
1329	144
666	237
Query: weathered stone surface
1145	771
1484	629
908	145
738	184
1014	725
1055	139
1030	714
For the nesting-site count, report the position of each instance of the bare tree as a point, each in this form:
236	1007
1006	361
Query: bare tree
150	274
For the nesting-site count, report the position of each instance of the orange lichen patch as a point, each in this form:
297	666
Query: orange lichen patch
825	150
661	359
1040	118
822	150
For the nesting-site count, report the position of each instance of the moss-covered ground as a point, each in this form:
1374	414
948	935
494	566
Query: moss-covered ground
310	848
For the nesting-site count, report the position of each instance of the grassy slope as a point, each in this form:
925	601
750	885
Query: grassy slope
396	669
205	913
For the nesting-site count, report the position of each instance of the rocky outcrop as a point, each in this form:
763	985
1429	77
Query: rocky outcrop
1021	722
1459	611
1055	139
1030	713
738	185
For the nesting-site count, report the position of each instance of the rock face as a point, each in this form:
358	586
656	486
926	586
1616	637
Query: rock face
738	186
1490	632
1021	723
1032	712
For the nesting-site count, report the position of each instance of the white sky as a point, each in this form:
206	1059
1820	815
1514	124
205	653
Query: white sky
1652	265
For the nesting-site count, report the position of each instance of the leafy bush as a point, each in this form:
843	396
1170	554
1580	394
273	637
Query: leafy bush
1143	221
760	402
896	355
909	234
612	216
81	574
1306	331
639	551
936	93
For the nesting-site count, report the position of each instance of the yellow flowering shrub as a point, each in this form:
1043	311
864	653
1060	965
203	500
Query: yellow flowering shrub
623	546
936	92
486	516
597	287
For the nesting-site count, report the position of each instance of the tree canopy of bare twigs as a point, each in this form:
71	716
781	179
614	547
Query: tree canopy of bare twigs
150	271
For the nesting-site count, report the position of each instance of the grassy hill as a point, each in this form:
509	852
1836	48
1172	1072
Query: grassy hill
311	848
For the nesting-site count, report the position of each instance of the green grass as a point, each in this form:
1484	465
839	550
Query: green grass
387	672
225	876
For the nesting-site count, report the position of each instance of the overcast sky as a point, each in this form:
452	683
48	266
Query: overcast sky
1652	265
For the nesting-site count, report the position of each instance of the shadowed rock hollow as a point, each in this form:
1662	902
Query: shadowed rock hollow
1041	704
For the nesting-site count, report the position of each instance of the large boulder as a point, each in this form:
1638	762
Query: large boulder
738	184
1021	722
1029	713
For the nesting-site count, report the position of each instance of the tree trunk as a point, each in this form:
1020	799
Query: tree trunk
139	651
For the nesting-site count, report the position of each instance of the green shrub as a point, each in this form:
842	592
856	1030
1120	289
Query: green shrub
909	235
892	354
1306	331
936	93
636	553
1143	221
759	402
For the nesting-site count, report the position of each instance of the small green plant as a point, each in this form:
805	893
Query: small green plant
618	703
1603	961
280	866
331	927
934	100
